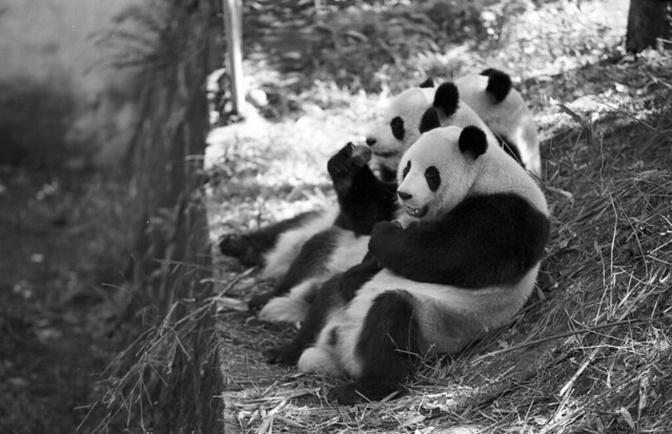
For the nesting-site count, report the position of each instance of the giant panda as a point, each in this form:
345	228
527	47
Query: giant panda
464	262
489	95
503	109
364	199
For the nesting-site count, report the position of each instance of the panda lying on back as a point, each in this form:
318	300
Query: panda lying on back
475	229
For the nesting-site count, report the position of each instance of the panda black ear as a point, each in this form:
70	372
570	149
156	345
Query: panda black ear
429	121
473	140
427	83
499	84
447	98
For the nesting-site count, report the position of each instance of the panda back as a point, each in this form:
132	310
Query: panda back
502	174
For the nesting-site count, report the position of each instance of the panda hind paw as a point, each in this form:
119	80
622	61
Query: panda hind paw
363	391
285	355
241	248
259	301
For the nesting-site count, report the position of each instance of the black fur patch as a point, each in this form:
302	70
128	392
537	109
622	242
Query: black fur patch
510	148
333	337
406	170
473	140
387	175
397	125
363	390
447	98
429	120
364	200
427	83
499	84
387	346
355	277
433	178
485	240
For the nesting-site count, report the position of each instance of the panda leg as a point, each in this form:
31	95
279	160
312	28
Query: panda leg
310	262
326	300
249	247
386	348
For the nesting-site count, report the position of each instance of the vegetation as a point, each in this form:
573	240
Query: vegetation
591	352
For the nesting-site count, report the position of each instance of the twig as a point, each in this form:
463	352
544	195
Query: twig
560	336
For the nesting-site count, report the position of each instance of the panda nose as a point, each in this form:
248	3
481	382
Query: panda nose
403	195
370	141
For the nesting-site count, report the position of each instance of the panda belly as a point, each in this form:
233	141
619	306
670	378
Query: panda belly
448	319
349	250
278	260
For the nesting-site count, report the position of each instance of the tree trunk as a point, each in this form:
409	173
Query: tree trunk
648	20
176	359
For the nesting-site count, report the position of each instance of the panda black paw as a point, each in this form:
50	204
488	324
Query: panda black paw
346	163
259	301
362	391
241	248
286	355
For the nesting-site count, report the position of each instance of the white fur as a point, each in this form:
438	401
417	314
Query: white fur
289	243
291	308
319	361
509	118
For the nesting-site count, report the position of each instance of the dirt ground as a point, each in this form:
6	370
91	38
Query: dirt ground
54	314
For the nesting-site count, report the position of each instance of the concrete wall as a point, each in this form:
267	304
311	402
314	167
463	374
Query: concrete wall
54	78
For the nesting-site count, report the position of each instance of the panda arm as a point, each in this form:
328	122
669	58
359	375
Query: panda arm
364	199
485	240
355	277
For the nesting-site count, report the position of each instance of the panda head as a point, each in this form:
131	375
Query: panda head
400	124
438	171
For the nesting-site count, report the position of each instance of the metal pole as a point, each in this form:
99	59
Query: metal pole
233	25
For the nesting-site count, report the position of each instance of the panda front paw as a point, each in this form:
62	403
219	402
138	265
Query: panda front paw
387	242
286	355
382	231
241	248
259	301
346	163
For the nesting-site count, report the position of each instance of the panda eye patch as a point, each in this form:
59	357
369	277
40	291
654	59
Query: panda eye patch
406	169
397	125
433	178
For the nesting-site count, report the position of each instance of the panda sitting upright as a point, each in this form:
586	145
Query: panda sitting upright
465	263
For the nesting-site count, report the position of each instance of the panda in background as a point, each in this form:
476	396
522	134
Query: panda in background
489	95
503	109
476	225
363	199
